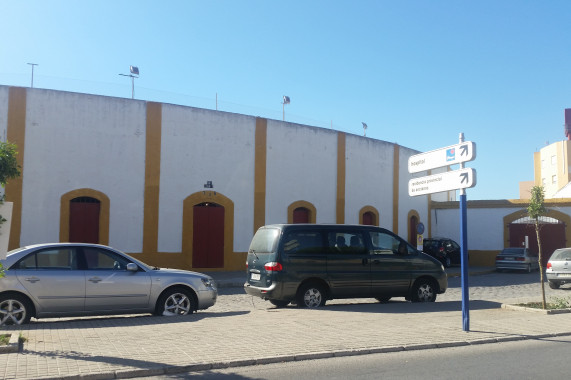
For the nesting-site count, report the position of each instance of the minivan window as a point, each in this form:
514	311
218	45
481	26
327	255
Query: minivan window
265	240
387	244
346	242
298	242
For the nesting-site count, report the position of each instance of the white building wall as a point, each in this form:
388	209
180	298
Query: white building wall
485	227
368	178
406	202
301	165
78	141
197	146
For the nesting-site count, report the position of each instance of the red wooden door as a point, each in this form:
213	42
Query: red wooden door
84	220
369	219
301	215
552	237
208	236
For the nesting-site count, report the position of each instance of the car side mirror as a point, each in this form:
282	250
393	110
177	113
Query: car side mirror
132	267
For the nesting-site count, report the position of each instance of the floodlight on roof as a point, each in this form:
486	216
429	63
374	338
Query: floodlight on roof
134	71
286	101
364	128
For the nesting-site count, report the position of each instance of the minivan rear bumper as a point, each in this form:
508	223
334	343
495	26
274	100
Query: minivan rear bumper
265	293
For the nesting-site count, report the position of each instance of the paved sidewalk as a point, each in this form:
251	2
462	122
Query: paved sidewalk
257	333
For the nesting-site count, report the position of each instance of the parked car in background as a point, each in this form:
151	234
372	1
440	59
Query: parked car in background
445	250
516	258
559	268
73	279
311	263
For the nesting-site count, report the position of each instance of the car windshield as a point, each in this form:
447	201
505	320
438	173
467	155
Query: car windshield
513	251
564	254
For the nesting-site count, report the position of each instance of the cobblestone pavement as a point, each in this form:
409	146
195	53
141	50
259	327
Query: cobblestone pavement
242	330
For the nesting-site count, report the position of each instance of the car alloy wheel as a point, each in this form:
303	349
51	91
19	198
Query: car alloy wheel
424	291
14	310
177	301
311	296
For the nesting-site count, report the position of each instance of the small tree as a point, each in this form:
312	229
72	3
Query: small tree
9	169
535	210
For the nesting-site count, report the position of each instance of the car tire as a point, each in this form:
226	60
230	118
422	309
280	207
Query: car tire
553	284
447	262
311	295
15	309
175	301
424	290
279	303
383	299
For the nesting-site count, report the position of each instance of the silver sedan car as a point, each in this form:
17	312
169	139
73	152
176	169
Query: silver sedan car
518	259
75	279
559	268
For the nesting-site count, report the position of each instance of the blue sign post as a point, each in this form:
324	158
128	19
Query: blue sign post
455	180
464	255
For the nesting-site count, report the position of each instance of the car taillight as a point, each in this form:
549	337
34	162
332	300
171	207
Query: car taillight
548	265
499	258
441	249
519	259
246	265
273	267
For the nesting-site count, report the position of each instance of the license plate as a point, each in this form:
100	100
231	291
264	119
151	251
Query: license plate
564	275
255	277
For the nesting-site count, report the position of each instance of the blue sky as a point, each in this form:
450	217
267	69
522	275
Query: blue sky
417	72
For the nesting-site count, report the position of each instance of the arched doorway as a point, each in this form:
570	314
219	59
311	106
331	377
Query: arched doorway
301	215
208	235
84	220
369	219
551	233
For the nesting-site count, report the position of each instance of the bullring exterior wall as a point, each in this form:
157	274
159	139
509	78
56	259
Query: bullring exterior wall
149	163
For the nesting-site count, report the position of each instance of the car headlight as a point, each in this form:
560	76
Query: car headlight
208	282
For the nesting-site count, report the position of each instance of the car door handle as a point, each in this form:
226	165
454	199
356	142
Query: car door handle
365	261
95	279
32	279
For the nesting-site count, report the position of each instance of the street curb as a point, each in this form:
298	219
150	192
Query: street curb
535	310
12	346
199	367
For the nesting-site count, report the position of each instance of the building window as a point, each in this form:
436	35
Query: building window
554	179
543	164
553	160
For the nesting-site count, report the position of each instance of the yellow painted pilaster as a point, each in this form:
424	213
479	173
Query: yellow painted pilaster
260	173
152	177
16	134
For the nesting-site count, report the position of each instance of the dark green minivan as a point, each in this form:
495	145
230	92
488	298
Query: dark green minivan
308	264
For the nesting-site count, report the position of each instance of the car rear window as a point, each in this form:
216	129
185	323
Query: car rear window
564	254
265	240
430	243
513	251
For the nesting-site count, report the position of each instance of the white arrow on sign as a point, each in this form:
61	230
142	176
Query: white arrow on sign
454	180
453	154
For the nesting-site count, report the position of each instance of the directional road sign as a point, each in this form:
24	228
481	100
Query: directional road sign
450	155
454	180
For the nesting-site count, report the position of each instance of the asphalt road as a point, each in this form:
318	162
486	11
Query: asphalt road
530	359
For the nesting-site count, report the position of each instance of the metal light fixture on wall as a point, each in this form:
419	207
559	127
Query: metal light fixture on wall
286	101
32	64
134	70
364	129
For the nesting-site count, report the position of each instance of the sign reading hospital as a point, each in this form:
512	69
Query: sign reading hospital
454	180
454	154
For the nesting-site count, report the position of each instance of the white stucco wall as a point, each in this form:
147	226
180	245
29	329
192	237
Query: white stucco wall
197	146
78	141
301	165
406	202
368	178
